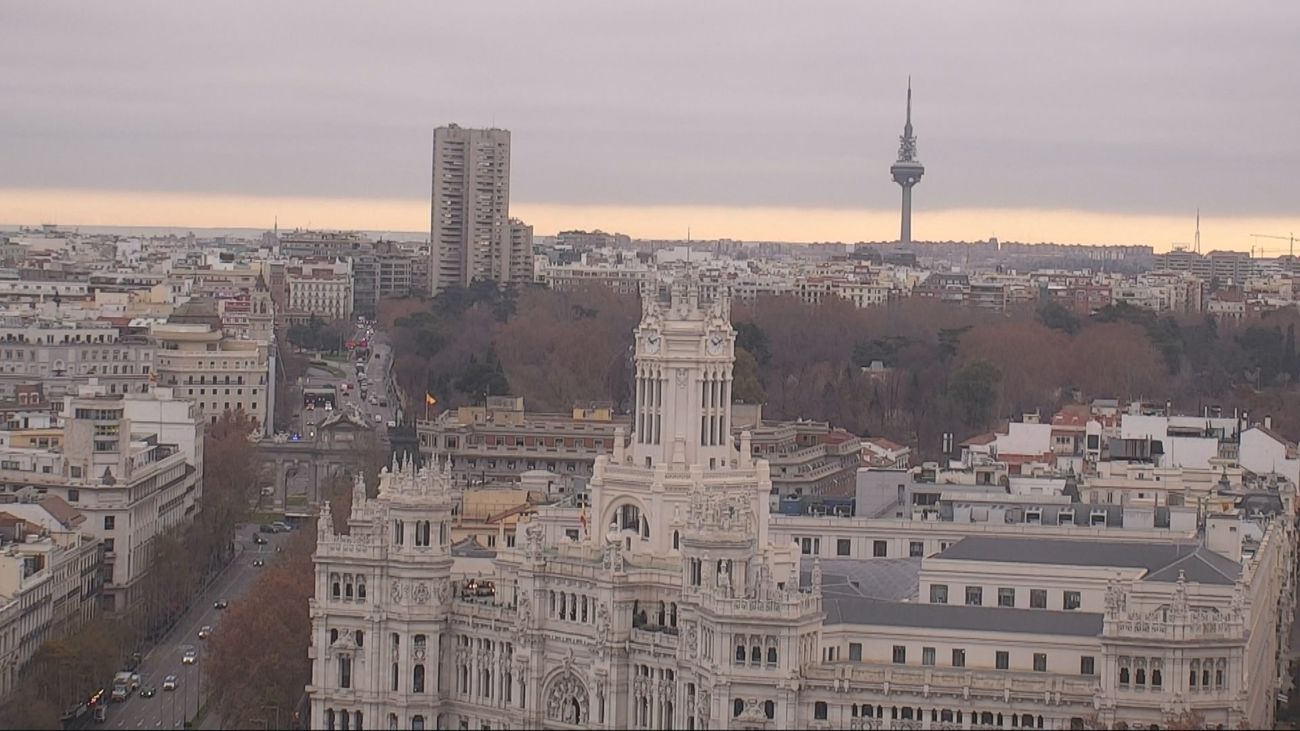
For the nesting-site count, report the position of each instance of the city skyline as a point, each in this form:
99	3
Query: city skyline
783	134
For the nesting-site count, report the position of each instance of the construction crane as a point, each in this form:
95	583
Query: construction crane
1290	238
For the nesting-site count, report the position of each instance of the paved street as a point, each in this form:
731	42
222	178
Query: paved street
377	382
167	709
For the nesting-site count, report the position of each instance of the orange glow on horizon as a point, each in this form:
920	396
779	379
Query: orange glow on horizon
181	210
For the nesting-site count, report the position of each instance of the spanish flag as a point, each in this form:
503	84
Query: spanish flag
582	518
429	400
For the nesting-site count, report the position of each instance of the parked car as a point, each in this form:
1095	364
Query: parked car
282	525
169	682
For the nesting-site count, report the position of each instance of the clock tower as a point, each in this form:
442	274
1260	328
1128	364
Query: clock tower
685	347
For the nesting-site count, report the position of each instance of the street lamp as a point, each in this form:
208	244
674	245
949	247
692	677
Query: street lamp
198	688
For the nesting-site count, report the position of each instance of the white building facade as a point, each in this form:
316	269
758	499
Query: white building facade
678	607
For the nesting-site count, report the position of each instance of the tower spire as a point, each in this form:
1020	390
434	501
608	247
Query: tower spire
1198	230
907	171
907	128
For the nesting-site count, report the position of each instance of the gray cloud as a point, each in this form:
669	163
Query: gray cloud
1110	106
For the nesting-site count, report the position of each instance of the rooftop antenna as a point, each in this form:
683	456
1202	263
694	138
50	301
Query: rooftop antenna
1198	231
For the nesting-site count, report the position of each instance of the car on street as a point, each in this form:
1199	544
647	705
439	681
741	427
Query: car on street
169	682
190	657
282	526
258	563
220	604
259	540
204	631
147	692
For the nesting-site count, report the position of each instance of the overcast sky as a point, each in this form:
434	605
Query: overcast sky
1119	108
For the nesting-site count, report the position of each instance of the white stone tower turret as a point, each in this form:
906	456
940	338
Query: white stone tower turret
685	348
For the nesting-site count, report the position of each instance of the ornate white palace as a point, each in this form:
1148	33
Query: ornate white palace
680	612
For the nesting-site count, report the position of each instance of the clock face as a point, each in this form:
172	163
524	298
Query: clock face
716	343
652	342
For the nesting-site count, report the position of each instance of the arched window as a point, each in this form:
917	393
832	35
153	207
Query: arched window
361	588
756	654
1140	676
417	678
1156	679
399	532
740	653
737	706
1123	676
771	656
819	710
345	672
629	517
347	590
392	722
334	636
335	586
672	614
345	720
417	723
360	638
677	541
329	719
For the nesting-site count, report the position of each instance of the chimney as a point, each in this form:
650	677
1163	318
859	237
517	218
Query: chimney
1223	534
1268	421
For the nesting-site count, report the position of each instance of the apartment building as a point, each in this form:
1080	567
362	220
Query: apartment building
626	280
808	457
500	441
471	234
63	354
319	289
50	578
218	372
130	464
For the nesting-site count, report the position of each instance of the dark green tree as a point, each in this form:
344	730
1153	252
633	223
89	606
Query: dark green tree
745	385
752	338
973	391
1055	315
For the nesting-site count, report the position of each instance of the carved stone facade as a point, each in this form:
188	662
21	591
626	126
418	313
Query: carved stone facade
676	610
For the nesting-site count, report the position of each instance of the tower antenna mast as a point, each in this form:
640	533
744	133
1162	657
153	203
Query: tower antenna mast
1198	231
907	170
